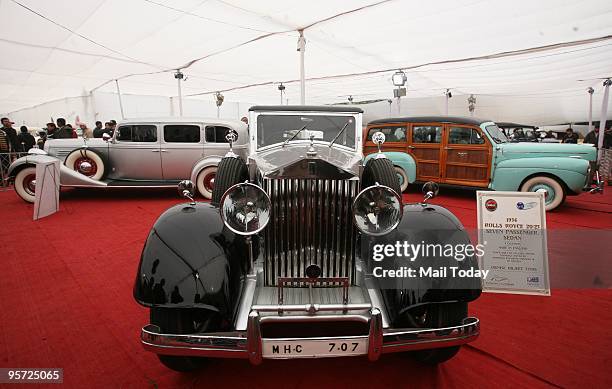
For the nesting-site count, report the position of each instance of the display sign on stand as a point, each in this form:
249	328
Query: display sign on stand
512	229
46	200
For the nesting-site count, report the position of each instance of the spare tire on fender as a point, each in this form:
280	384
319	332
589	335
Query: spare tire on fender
87	162
381	171
230	171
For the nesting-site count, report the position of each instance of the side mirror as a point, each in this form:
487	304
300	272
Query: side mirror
186	189
106	136
430	190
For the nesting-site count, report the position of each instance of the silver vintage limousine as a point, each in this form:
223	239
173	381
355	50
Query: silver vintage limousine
141	153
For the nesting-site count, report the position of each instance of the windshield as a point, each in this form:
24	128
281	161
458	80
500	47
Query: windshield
273	129
496	134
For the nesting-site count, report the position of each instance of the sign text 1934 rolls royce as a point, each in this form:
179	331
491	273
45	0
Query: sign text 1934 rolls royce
141	153
475	153
279	264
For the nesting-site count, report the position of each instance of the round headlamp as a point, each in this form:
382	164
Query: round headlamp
245	209
377	210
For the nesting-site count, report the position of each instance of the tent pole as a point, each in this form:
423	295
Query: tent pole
301	49
180	96
446	97
590	91
119	96
603	118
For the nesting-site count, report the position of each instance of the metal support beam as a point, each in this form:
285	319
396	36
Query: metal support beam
119	96
590	91
180	93
301	48
603	118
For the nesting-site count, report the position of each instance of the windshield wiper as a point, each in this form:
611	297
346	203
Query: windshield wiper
340	133
294	135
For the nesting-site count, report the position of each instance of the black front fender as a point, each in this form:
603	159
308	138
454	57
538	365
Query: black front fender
191	261
423	225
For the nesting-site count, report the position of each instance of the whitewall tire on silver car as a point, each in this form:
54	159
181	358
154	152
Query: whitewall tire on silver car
206	181
86	162
554	193
25	184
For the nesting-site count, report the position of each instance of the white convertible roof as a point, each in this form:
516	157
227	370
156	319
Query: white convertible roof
523	60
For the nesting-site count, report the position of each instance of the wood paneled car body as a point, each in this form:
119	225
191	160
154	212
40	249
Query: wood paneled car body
475	153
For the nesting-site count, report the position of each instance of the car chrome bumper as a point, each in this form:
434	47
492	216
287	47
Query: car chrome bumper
248	344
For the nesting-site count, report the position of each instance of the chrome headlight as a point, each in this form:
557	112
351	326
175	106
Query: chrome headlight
377	210
245	209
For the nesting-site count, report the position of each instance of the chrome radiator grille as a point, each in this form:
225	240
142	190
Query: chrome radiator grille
311	223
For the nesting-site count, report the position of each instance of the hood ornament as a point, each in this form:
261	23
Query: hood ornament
231	137
379	138
311	150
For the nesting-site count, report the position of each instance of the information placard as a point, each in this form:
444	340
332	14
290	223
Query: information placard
512	229
47	187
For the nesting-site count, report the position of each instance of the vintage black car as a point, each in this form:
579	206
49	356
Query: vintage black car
279	264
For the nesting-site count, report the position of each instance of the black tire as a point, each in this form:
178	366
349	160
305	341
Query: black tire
382	171
230	171
181	321
439	316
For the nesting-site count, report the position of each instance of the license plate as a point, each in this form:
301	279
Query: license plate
313	348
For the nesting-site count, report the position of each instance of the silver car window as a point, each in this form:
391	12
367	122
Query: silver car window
181	133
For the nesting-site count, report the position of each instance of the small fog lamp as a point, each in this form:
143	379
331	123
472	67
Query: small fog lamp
245	209
377	210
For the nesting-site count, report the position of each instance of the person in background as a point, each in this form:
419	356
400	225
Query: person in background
113	127
25	139
245	120
73	134
99	130
570	136
7	127
87	132
591	137
5	149
108	128
64	131
51	128
549	135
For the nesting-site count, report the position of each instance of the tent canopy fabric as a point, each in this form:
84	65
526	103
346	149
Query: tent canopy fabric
536	56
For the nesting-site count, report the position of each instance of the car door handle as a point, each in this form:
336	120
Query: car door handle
164	150
411	147
155	151
462	153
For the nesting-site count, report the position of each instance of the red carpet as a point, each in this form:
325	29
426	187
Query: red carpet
65	292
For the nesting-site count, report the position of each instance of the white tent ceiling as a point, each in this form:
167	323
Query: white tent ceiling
546	52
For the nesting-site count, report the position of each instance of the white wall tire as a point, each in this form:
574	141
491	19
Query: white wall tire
74	160
25	182
206	181
403	178
555	195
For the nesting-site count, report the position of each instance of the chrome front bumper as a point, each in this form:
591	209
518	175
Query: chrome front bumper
248	344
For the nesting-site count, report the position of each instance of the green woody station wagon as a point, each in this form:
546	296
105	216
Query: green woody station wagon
468	152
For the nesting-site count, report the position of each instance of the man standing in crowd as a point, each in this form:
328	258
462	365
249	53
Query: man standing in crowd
591	137
87	132
570	136
5	148
25	139
113	127
98	131
7	127
63	132
51	128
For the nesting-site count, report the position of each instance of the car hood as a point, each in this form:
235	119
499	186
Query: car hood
294	161
534	150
